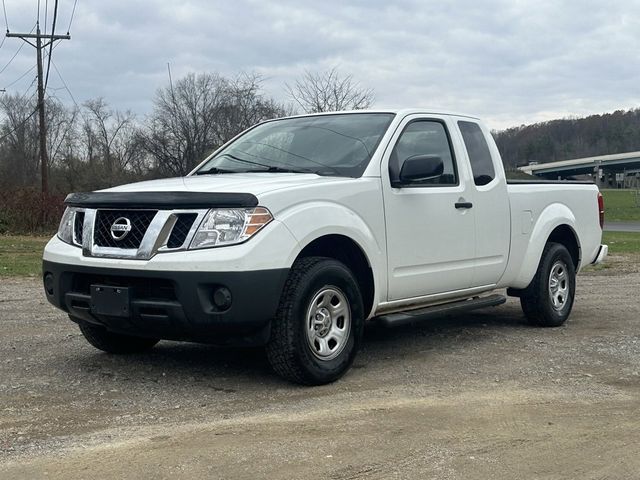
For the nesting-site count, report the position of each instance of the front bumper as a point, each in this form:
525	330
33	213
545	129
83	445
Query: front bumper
175	305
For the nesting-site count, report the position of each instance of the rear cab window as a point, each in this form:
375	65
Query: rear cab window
478	152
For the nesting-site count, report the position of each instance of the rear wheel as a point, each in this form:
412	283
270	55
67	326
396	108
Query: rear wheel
111	342
548	300
319	323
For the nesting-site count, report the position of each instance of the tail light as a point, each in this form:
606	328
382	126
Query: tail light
601	209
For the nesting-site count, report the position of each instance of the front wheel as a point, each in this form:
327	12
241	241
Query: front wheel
319	323
548	300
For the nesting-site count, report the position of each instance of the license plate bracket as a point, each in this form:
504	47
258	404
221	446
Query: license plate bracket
110	301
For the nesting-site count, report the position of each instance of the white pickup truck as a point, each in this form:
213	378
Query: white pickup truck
299	230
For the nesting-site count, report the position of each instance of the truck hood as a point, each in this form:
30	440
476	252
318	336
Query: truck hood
254	183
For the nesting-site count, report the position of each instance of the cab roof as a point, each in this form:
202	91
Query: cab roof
402	112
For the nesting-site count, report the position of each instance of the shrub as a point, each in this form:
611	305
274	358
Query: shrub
28	211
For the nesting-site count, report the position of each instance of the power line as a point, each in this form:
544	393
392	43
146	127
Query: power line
20	77
19	126
4	7
14	55
73	11
39	46
53	32
29	88
11	60
6	22
69	122
23	97
66	87
30	69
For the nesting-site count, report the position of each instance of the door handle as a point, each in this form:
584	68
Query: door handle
464	205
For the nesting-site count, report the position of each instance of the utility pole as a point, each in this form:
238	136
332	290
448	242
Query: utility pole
39	46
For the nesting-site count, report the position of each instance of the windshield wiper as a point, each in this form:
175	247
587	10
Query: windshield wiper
275	169
215	171
326	170
267	168
242	160
334	170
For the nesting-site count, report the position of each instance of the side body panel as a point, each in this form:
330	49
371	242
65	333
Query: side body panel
430	243
536	210
491	209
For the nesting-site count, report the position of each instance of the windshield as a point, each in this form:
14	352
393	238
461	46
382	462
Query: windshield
339	145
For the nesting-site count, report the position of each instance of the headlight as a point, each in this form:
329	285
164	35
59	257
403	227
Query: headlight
65	230
228	226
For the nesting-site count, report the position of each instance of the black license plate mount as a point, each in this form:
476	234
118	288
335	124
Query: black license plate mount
110	301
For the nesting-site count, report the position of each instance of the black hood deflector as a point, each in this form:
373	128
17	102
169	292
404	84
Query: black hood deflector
160	200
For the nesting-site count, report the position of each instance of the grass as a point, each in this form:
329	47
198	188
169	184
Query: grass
622	242
620	206
21	255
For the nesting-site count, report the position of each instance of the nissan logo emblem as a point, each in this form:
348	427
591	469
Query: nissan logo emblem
120	228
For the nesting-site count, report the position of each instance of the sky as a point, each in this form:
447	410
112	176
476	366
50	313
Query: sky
510	62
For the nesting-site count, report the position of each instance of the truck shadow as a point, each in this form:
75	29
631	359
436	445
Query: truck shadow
228	369
469	327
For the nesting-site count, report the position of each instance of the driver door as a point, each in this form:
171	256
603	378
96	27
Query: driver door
429	223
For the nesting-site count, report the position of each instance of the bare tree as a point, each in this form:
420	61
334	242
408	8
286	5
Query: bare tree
329	91
179	130
113	136
199	113
61	131
19	145
243	106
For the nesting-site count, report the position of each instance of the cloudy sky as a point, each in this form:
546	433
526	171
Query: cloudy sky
511	62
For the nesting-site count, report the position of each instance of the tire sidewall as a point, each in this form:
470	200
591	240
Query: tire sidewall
324	274
557	252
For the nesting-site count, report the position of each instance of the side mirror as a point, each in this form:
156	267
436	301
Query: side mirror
421	167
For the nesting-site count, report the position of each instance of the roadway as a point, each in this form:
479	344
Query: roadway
622	226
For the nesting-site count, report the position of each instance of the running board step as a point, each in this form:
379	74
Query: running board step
410	316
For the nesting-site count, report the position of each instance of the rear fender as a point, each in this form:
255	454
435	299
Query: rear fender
552	216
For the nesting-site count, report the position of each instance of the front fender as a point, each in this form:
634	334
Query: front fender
552	216
312	220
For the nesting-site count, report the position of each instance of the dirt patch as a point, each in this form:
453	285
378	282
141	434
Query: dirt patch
481	395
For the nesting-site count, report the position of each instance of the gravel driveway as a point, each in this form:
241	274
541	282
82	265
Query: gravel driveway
482	395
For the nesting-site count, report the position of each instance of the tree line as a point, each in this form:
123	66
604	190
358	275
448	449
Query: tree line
568	138
93	145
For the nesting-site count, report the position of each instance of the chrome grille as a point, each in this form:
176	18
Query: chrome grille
140	221
151	232
181	229
78	225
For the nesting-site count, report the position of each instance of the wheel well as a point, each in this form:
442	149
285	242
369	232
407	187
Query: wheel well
347	251
565	235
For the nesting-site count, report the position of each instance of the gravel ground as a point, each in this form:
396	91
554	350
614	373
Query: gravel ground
481	395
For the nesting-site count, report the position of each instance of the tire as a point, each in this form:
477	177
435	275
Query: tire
117	343
548	299
319	323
